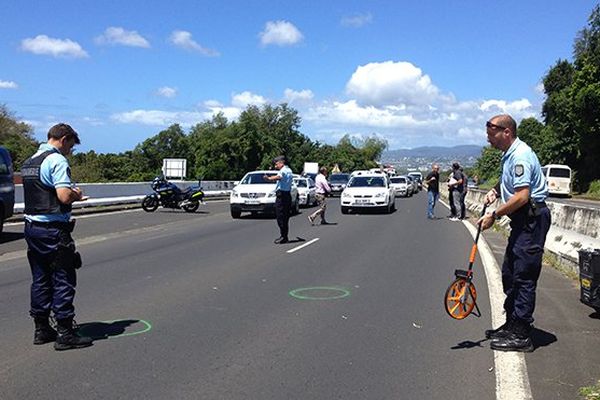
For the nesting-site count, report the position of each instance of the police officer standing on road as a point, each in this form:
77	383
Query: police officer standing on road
49	194
283	201
523	190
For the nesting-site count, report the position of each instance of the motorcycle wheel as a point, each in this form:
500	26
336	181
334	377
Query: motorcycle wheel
149	204
192	207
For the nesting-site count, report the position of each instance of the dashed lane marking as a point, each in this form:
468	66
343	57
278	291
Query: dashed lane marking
302	246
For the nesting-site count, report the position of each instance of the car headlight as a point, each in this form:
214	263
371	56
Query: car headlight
382	194
234	194
345	194
272	194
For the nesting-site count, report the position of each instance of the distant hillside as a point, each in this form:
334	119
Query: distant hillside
434	152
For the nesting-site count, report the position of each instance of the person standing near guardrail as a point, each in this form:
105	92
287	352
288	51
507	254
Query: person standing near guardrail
49	193
283	200
523	190
455	188
433	189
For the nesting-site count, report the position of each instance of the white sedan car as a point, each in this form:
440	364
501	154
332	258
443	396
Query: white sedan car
254	194
307	192
401	186
368	191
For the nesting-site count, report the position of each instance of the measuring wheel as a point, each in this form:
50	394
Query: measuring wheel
460	299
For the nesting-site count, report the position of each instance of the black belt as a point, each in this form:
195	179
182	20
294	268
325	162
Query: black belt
54	224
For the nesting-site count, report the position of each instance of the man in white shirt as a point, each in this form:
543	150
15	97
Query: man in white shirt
322	189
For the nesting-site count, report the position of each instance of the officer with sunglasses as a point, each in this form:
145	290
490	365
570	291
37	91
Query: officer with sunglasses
523	190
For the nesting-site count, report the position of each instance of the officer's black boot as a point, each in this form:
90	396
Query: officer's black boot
518	340
43	331
67	338
502	331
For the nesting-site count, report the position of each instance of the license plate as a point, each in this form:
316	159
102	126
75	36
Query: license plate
252	202
361	201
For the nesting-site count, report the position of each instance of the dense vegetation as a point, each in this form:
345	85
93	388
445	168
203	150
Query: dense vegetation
570	131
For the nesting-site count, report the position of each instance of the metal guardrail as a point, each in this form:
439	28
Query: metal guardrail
111	201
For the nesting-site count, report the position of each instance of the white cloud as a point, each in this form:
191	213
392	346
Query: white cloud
44	45
356	21
292	96
244	99
116	35
167	92
280	33
159	117
502	106
183	39
8	85
389	82
214	107
398	101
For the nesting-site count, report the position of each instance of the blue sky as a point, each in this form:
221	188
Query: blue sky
413	72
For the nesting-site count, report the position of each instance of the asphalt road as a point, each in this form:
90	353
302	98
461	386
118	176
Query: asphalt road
198	306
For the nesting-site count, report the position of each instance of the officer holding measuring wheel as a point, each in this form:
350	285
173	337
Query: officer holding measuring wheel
523	190
49	194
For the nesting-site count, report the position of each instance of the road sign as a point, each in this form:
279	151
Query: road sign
174	167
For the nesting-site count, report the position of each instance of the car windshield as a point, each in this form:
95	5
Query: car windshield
257	178
398	180
367	181
300	183
339	178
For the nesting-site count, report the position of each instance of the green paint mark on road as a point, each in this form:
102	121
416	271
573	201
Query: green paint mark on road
312	293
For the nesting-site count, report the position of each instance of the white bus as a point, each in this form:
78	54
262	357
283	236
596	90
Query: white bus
558	178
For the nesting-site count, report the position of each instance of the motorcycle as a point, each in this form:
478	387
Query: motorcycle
168	195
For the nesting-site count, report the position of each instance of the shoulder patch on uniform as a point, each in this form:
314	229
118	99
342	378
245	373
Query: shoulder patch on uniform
519	169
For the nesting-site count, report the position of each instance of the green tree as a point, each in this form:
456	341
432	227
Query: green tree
17	137
487	167
148	156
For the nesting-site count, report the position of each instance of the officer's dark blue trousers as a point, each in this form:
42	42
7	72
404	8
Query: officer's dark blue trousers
523	262
53	280
283	204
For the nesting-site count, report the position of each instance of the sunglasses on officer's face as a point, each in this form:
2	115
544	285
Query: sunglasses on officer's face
491	125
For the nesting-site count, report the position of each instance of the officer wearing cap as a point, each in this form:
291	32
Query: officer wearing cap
49	193
523	190
283	201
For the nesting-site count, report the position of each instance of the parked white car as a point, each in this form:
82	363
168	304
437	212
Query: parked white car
307	191
254	194
402	186
368	191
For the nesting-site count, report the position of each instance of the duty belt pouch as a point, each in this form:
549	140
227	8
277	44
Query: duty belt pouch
66	256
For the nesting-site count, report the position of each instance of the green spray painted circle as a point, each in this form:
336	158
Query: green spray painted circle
146	327
300	293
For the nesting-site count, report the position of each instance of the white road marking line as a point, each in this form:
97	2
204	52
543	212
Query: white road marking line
302	246
512	380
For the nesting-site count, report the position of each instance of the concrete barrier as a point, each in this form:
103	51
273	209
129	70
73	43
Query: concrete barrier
111	201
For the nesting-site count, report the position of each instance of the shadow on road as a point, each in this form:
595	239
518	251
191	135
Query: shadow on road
468	344
104	330
541	338
6	237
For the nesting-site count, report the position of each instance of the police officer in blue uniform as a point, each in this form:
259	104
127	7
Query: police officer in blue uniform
523	190
49	194
283	201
